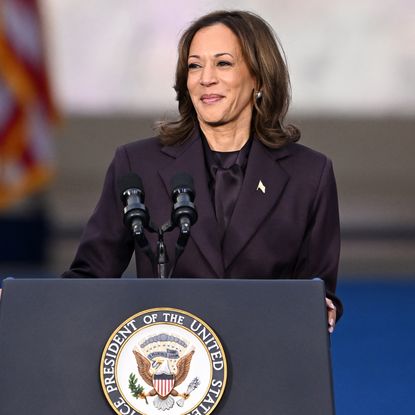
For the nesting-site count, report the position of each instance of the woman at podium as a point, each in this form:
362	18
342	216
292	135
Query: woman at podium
267	206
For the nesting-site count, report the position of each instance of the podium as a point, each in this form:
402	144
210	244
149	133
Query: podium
273	332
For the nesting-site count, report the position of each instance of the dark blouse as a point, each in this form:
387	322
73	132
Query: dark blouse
226	171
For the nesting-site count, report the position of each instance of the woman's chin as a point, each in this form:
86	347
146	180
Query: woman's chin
217	123
213	121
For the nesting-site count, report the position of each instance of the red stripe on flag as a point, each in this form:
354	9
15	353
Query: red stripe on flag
26	165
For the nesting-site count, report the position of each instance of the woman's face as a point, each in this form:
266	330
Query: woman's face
219	82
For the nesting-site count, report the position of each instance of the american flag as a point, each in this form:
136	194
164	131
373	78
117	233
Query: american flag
26	108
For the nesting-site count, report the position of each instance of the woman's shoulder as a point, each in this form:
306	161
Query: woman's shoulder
143	149
301	157
154	148
143	144
305	164
306	154
137	155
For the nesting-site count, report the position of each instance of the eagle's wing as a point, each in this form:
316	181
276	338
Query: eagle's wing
143	365
183	366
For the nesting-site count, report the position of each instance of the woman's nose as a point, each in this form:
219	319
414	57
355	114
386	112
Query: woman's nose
208	76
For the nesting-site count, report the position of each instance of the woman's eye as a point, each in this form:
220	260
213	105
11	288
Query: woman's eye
193	66
224	63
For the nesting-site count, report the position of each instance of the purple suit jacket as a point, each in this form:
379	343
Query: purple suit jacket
289	231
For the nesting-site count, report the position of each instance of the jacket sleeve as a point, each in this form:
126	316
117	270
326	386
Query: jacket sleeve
320	249
106	246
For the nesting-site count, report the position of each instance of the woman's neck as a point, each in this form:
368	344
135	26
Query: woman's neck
224	138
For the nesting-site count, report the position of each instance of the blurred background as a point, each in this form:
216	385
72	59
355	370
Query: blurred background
79	78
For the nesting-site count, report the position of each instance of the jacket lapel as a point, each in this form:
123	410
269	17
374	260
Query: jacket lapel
263	184
189	158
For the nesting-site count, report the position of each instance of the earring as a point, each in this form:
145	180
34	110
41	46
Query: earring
258	95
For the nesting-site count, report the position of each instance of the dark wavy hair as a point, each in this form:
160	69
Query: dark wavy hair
266	61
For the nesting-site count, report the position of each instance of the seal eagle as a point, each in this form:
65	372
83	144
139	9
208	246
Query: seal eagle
158	374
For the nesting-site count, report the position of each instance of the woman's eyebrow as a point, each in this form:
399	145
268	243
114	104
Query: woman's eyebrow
216	55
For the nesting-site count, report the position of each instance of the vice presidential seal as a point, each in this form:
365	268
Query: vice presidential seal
163	361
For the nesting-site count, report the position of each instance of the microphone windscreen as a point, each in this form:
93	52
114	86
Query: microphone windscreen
129	181
182	180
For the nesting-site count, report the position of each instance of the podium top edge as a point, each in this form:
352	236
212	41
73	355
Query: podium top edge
49	280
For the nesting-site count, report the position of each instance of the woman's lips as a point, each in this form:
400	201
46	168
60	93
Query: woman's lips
211	98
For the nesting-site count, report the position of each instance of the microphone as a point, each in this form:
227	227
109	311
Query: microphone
184	212
136	216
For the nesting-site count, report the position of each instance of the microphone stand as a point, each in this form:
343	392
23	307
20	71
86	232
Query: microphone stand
142	242
184	233
162	257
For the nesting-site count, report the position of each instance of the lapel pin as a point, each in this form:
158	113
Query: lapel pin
261	187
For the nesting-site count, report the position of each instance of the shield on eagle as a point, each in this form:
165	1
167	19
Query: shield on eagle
163	384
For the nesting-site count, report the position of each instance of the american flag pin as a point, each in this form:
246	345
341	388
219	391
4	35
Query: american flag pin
261	186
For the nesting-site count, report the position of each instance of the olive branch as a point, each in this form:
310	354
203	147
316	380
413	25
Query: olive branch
135	388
